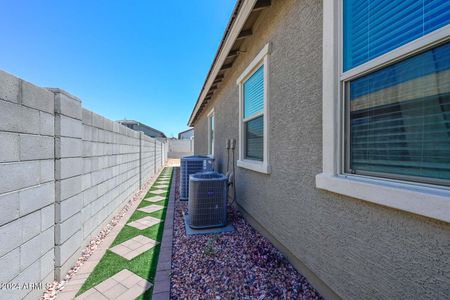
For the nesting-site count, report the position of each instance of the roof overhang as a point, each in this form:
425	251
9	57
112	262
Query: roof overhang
235	31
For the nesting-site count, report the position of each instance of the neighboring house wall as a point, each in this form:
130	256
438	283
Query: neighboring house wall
180	148
151	132
185	135
347	247
65	171
148	131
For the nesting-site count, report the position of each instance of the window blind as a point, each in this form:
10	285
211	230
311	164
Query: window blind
375	27
254	93
400	118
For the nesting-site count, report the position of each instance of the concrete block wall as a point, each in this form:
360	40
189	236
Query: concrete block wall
159	154
111	156
115	161
148	166
27	187
68	177
180	148
65	171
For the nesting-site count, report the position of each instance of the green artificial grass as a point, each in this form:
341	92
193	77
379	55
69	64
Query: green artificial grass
143	265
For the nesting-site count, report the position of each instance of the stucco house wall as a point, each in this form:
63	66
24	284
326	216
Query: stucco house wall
348	248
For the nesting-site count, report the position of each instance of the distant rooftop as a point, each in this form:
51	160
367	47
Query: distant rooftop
147	130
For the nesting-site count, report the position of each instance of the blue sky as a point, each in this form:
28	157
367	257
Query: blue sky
144	60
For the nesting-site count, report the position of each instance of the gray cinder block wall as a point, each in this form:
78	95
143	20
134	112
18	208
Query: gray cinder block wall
27	186
65	171
180	148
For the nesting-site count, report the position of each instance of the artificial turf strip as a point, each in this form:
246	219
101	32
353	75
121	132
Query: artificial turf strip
143	265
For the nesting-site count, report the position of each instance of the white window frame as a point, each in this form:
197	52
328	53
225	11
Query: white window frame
262	59
422	199
211	143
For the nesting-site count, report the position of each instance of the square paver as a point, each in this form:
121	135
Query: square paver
124	274
158	192
155	198
115	291
129	250
123	285
151	208
144	223
161	186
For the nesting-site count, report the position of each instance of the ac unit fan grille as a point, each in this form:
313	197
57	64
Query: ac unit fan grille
208	200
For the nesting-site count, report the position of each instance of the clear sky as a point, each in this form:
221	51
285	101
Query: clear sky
136	59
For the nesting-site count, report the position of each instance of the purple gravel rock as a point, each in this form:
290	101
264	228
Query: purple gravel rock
236	265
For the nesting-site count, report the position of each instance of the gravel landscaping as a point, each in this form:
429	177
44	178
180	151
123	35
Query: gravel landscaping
238	265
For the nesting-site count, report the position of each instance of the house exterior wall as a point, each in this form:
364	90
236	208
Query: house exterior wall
348	248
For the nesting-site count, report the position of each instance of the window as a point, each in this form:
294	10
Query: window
253	102
386	103
253	146
211	133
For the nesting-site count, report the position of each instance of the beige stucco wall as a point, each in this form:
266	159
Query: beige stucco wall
357	249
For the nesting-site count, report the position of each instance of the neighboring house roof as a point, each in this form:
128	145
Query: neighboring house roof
239	27
143	126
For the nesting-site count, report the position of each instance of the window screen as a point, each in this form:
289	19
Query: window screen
399	118
211	134
254	138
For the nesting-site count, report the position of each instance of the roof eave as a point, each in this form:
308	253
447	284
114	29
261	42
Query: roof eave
234	28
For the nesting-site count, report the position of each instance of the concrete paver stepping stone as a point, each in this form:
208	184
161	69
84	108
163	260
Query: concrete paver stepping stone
161	186
144	223
151	208
155	198
132	248
158	192
123	285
